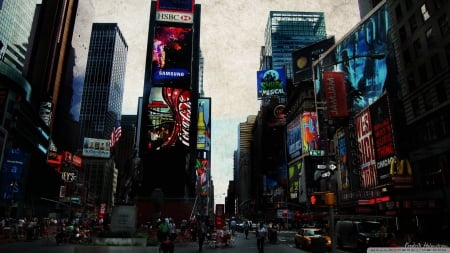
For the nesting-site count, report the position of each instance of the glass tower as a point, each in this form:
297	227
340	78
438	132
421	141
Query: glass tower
16	19
288	31
101	103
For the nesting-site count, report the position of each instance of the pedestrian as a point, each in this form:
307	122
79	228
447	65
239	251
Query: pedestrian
261	234
172	230
202	229
246	228
162	231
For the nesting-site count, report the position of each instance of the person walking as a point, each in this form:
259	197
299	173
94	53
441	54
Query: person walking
261	234
246	228
172	230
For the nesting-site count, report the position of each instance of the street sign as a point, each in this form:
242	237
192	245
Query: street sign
332	166
325	174
321	166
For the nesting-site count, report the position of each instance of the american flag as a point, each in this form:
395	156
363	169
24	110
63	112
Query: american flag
115	134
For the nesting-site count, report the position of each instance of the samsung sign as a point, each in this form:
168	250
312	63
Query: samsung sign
166	16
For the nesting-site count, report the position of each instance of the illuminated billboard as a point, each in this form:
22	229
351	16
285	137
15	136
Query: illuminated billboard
12	174
96	148
364	56
310	136
168	118
364	135
179	11
204	124
172	56
271	83
294	137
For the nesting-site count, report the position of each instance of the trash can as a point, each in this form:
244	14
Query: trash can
318	245
272	236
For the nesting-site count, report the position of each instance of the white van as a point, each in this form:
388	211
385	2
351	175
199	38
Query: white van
358	235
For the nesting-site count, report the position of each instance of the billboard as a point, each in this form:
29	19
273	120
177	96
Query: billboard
365	57
96	148
366	148
294	138
294	172
271	82
168	118
310	136
302	58
204	124
179	11
383	136
335	94
12	174
172	56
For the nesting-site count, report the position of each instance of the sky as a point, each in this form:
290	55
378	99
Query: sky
231	36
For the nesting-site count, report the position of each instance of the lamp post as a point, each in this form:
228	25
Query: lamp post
317	69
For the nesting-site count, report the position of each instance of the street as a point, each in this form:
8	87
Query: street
284	244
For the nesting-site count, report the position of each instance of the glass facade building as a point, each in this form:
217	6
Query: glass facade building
288	31
16	19
101	103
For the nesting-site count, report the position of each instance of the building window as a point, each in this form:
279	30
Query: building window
436	64
425	13
439	4
402	33
428	101
412	23
443	25
423	73
398	13
417	48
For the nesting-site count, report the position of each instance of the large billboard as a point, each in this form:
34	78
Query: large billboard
12	174
271	82
172	56
365	57
168	118
366	148
180	11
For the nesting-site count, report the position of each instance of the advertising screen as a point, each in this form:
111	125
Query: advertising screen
294	138
168	118
12	174
172	56
302	58
96	148
365	58
309	132
271	83
383	136
204	124
364	134
176	5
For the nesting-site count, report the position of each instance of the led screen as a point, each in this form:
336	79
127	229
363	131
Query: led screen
172	56
271	83
168	118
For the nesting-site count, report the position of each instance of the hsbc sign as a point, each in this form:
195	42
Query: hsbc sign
167	16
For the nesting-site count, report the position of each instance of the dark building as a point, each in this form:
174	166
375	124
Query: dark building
101	109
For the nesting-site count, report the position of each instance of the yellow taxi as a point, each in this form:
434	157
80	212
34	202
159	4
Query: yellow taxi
303	238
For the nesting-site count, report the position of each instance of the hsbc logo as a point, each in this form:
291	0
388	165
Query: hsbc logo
174	17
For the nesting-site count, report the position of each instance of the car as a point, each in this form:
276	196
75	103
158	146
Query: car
304	237
358	235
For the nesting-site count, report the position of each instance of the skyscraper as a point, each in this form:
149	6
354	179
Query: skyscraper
101	103
287	31
101	107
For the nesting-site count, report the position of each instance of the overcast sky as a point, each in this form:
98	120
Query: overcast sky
231	36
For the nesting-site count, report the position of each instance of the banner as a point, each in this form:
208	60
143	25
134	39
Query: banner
335	94
271	83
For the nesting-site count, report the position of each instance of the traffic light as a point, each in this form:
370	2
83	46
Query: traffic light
321	199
